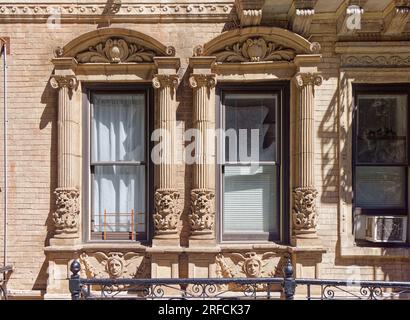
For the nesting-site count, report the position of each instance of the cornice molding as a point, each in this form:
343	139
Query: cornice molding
219	10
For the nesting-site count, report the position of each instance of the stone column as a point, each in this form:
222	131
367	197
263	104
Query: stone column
202	215
66	217
304	215
167	210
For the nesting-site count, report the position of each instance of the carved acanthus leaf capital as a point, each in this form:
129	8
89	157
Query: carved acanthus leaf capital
304	213
58	82
202	216
165	80
166	211
66	216
202	80
305	79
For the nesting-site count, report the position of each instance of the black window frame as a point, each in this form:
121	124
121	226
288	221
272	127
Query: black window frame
385	88
283	158
87	90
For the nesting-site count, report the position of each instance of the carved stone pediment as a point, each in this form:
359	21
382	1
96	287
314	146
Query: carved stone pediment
255	50
114	265
115	50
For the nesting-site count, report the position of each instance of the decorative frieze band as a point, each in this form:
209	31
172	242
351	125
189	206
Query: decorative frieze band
202	80
304	214
67	210
375	61
220	10
167	211
58	82
304	79
202	216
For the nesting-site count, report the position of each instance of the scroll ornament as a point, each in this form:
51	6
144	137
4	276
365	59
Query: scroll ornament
166	211
66	216
304	214
202	215
255	50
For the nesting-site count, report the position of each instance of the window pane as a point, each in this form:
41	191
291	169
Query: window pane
118	127
118	190
250	199
380	187
382	129
251	111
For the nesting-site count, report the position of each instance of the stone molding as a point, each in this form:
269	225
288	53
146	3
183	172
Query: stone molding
114	265
202	216
167	211
58	82
66	216
375	60
220	10
304	215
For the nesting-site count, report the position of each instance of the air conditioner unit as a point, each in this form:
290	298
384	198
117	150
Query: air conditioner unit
386	229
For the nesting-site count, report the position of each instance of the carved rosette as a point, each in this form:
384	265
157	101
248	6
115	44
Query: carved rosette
304	214
115	50
68	81
167	211
202	217
305	79
66	216
255	50
202	80
165	80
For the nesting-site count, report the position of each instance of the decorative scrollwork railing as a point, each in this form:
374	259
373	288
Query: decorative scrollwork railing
235	288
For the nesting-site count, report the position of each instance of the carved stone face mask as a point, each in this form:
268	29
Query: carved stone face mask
115	267
253	268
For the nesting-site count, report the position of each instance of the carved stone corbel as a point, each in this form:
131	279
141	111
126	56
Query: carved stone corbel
249	12
301	16
397	17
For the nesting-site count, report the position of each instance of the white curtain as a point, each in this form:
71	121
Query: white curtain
118	134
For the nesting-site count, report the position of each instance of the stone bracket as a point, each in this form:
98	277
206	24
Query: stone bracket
249	12
301	15
397	17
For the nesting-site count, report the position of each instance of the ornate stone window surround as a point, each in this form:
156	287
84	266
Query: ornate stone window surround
105	56
262	54
363	63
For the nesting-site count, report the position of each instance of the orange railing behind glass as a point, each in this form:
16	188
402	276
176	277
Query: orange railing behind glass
118	226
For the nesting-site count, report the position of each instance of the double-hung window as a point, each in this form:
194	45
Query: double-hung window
251	163
117	165
380	162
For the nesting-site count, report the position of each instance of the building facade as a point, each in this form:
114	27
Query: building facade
106	101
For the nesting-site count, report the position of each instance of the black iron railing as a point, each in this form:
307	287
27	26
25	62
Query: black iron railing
287	288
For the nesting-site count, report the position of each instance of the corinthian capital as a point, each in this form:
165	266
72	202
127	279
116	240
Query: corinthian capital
165	80
202	80
305	79
68	81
